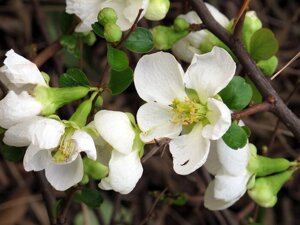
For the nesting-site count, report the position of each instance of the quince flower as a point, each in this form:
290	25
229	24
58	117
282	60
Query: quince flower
186	47
118	147
87	11
54	147
19	75
231	175
185	103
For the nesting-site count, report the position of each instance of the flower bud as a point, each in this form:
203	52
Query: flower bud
157	9
90	38
265	189
112	32
181	24
251	24
54	98
107	15
94	169
268	66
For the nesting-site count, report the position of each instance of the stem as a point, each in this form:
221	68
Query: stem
47	53
262	83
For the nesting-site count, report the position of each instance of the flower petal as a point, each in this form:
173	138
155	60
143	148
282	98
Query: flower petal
159	78
234	162
124	172
213	203
40	131
189	151
229	187
184	50
155	122
17	108
219	17
84	143
64	176
209	73
219	117
213	163
20	71
115	128
35	158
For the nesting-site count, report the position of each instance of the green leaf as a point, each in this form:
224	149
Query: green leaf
91	197
237	95
256	96
98	29
11	153
69	42
72	78
247	130
235	137
117	59
263	45
120	80
269	66
140	41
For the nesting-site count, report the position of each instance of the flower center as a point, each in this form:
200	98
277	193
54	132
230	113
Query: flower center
66	147
188	111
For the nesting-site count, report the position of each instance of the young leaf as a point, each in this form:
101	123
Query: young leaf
72	78
117	59
235	137
120	80
263	45
256	96
140	41
237	94
98	29
11	153
91	197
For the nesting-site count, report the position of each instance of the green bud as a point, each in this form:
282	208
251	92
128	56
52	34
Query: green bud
90	38
112	32
165	37
157	9
99	102
107	15
94	169
268	66
251	24
54	98
181	24
85	179
265	189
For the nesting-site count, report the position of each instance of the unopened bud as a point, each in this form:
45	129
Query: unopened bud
181	24
251	24
112	32
107	15
90	38
157	9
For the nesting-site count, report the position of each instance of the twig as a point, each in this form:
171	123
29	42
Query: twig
62	218
159	144
261	107
196	27
239	21
115	209
47	53
255	74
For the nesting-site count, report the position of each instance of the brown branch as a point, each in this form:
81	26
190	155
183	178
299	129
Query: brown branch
239	21
261	107
196	27
261	82
159	145
47	53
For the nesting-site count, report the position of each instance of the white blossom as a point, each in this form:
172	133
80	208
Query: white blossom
173	109
87	11
118	149
53	147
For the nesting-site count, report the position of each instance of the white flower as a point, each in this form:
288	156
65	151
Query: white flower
87	11
53	147
20	76
231	175
172	108
119	151
186	47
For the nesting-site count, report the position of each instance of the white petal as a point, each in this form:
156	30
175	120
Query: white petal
219	117
20	71
159	77
64	176
17	108
210	73
213	203
84	143
228	187
213	163
40	131
115	128
184	50
189	151
154	121
87	11
219	17
35	158
124	172
234	162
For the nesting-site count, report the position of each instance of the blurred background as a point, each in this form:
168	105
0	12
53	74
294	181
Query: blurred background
161	197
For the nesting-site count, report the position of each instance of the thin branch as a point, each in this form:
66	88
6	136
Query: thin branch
159	145
47	53
254	73
239	21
